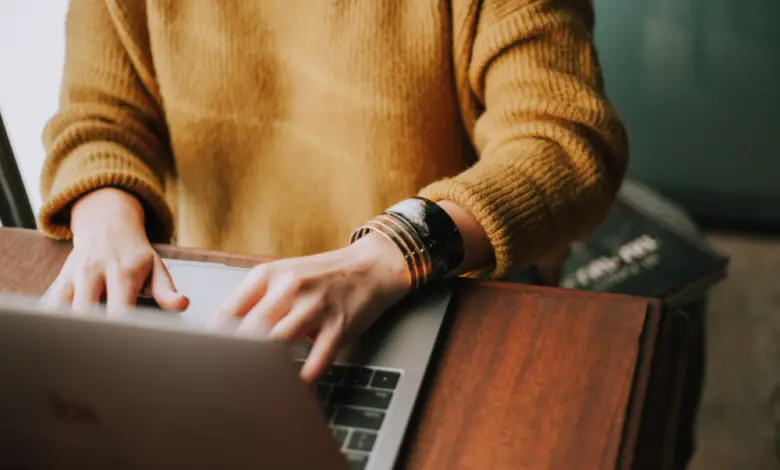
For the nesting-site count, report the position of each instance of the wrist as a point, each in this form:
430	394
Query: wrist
477	249
425	236
374	252
106	206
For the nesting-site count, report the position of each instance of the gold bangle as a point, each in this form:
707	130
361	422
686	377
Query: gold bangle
370	226
425	260
439	233
427	236
421	255
416	253
408	251
420	273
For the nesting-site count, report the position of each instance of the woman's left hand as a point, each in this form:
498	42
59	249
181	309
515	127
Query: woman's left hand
331	297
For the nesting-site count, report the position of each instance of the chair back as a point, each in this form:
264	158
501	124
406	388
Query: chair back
15	210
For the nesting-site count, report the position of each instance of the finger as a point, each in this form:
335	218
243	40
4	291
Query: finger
248	293
269	310
89	287
163	290
322	352
122	289
59	293
299	321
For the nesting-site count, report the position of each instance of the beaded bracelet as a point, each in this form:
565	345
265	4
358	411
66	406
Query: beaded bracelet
424	233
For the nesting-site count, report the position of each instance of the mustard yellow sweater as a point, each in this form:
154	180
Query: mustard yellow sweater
278	126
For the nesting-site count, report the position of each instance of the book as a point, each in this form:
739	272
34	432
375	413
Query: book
645	247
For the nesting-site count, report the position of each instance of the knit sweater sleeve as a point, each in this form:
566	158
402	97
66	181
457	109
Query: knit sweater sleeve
109	130
551	151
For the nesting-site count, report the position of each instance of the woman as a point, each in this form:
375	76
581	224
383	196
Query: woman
280	127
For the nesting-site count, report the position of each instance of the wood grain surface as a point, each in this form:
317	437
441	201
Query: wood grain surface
525	377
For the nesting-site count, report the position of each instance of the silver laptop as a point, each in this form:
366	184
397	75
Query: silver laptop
155	390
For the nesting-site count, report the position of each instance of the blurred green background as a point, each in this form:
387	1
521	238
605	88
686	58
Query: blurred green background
698	85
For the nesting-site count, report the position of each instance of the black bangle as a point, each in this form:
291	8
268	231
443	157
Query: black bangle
437	231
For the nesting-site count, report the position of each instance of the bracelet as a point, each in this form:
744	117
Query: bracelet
424	233
418	253
403	241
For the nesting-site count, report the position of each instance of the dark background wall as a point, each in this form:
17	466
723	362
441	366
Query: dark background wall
698	85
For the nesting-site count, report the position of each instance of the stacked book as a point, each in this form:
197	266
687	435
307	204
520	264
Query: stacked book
645	247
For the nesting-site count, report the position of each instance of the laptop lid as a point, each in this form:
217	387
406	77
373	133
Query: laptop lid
143	391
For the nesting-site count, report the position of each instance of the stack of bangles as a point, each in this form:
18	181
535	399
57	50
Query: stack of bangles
426	235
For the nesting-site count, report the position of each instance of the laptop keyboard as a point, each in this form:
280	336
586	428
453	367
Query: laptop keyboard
355	401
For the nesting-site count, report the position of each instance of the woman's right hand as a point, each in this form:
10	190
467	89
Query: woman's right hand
112	257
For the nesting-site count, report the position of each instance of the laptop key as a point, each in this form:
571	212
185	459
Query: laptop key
356	418
334	374
379	399
385	379
329	412
361	440
358	376
340	435
356	461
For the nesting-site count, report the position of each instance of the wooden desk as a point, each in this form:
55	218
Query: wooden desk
526	377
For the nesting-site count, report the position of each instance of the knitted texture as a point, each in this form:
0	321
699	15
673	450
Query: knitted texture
278	126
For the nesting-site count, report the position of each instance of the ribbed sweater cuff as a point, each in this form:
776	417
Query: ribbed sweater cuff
100	165
509	205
